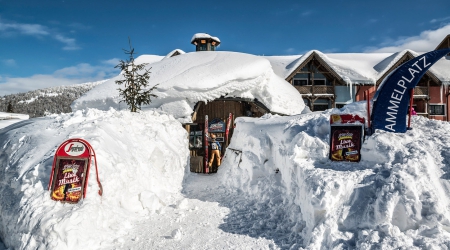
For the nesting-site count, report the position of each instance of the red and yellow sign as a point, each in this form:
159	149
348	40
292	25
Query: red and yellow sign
70	171
346	136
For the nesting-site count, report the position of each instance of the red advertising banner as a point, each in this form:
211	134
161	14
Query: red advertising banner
70	171
346	137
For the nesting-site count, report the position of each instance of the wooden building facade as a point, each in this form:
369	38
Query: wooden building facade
316	81
320	86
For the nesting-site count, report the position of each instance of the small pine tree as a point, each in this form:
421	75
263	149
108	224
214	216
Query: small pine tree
9	109
135	93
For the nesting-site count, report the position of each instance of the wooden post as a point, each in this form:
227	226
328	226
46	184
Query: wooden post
367	97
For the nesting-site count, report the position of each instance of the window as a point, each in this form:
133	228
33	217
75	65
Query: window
202	47
320	107
319	82
195	137
339	106
300	82
437	109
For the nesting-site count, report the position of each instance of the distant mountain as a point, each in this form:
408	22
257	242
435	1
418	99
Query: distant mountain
50	100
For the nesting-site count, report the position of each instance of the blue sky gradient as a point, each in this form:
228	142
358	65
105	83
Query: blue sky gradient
50	42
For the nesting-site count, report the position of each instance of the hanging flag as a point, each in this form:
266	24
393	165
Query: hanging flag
391	101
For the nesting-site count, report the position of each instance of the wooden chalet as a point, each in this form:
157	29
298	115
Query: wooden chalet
322	87
316	81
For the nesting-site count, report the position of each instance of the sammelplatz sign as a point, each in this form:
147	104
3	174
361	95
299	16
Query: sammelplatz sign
391	101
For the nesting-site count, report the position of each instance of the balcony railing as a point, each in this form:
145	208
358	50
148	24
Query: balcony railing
315	90
422	91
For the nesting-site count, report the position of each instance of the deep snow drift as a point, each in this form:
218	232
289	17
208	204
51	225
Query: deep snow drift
140	165
397	196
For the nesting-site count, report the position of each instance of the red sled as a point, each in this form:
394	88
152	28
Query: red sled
70	171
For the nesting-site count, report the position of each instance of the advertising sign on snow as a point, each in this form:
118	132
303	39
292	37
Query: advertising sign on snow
70	170
346	136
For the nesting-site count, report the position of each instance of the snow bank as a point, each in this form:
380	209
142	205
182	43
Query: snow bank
204	76
141	160
398	196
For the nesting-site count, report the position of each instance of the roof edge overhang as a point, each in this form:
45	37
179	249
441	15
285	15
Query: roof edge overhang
441	45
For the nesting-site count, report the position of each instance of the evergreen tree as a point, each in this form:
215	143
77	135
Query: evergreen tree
10	108
135	93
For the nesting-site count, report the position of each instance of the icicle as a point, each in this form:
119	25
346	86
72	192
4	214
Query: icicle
351	90
442	91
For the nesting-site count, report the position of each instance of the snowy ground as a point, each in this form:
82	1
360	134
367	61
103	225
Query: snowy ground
396	197
7	119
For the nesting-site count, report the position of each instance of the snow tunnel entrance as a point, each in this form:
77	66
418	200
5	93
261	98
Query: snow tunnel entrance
218	112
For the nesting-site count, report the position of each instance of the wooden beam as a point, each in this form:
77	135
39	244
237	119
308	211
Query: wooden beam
194	115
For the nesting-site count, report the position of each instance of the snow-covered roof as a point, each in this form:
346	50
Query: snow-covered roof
356	68
174	52
189	78
204	36
342	64
441	69
148	59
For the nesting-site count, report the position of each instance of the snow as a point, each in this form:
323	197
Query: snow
397	196
204	76
7	119
204	36
171	53
356	68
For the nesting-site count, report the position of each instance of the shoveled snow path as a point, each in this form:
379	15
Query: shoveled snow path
204	217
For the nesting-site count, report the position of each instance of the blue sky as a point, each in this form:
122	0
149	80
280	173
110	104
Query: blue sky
52	42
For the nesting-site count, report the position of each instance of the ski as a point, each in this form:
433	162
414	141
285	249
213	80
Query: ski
227	131
205	138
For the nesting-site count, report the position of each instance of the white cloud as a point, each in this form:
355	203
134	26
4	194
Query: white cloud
440	20
37	30
25	29
70	42
427	40
80	73
20	85
113	62
9	62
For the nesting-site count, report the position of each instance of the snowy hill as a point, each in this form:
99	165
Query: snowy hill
51	100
